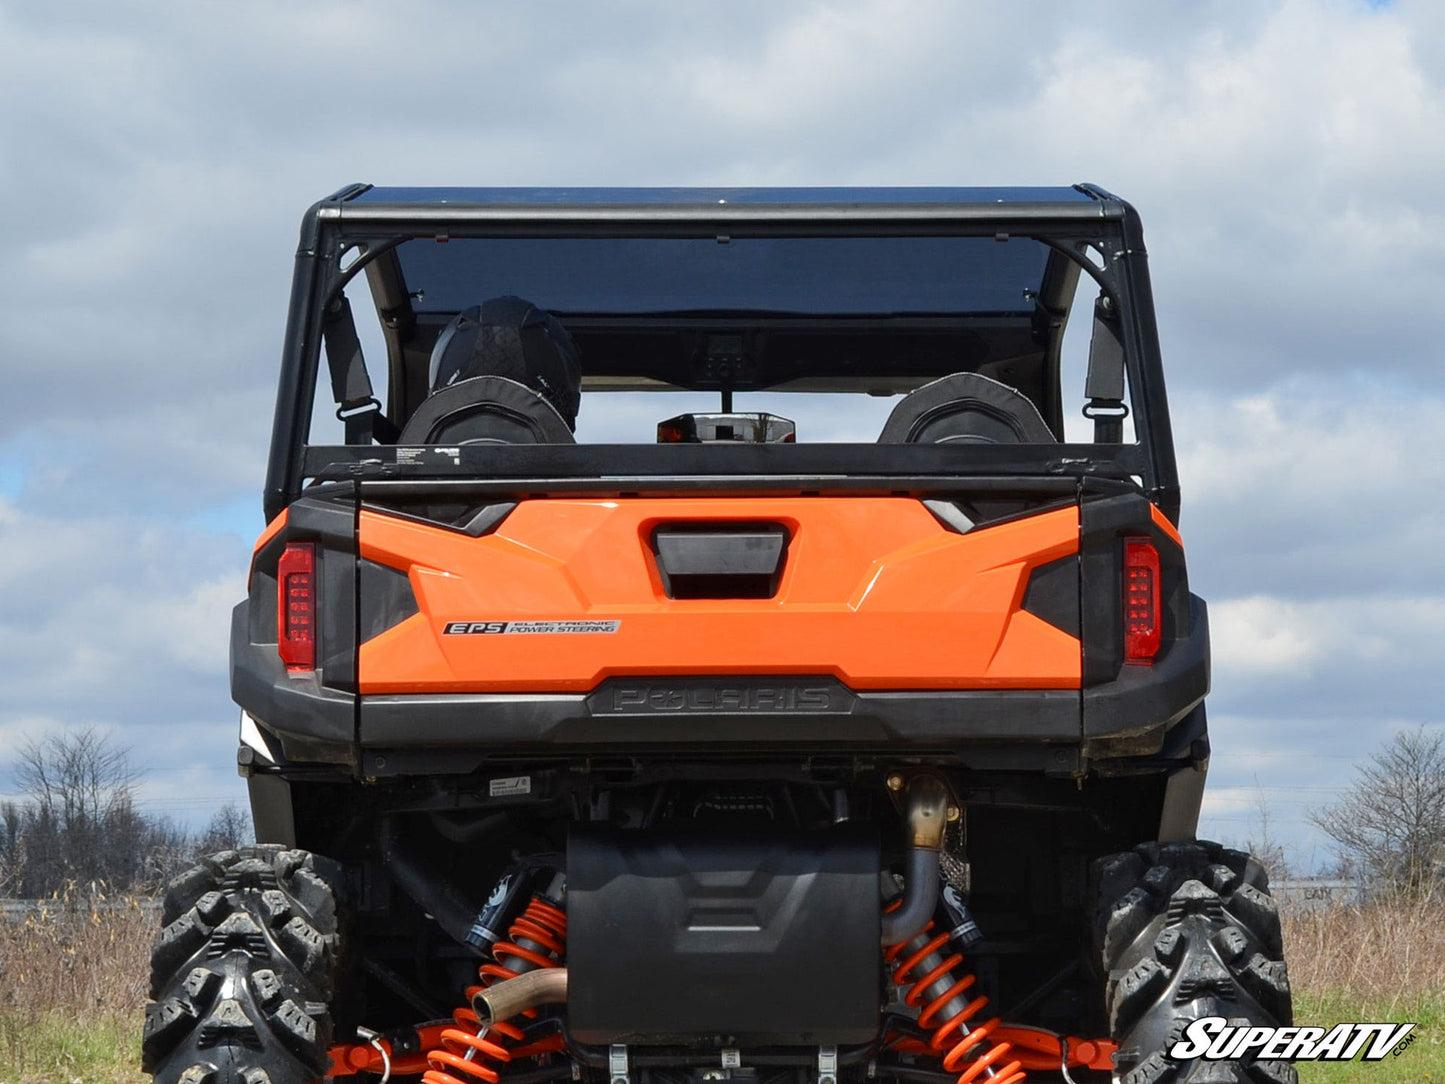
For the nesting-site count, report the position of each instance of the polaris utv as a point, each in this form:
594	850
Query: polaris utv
831	713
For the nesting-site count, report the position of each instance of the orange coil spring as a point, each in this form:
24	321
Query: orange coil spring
970	1053
537	939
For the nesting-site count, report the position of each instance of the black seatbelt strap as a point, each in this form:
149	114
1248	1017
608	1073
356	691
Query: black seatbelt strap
356	406
1104	385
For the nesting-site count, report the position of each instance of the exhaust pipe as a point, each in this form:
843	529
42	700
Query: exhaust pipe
427	886
546	986
926	813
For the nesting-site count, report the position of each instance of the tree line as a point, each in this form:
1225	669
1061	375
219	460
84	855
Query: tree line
75	821
75	824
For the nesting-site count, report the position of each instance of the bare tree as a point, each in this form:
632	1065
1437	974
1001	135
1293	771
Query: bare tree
12	846
169	850
77	777
80	823
228	828
1391	821
1262	843
78	827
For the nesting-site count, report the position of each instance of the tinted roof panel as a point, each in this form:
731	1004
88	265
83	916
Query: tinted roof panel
799	275
695	196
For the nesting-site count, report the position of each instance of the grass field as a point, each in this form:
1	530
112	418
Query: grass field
1384	963
74	983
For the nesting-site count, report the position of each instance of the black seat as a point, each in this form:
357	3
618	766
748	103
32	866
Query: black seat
486	410
966	408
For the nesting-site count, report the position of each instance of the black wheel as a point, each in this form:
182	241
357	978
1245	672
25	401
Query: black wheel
241	973
1188	930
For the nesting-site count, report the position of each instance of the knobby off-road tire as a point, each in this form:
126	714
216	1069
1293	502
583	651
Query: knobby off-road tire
1189	930
241	973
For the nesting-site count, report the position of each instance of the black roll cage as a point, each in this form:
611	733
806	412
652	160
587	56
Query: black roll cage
340	237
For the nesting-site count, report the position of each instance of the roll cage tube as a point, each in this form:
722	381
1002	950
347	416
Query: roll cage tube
335	225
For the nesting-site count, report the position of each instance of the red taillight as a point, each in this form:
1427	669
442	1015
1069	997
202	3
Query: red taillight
1141	601
296	606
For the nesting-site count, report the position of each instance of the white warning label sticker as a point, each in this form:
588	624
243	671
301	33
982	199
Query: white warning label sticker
510	786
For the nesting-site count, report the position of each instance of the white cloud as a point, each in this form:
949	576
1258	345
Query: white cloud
1263	636
1317	442
1359	658
1313	488
109	618
1284	156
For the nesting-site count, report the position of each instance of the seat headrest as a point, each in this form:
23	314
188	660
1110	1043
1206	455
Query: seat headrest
966	408
510	337
486	410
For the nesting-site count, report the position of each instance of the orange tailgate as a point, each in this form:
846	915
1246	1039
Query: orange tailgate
874	591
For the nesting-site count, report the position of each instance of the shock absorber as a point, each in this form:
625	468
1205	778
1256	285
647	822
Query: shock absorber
536	939
932	969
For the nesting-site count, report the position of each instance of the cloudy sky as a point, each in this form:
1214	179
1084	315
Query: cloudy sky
155	161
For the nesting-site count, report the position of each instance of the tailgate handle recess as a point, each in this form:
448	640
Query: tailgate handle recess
720	560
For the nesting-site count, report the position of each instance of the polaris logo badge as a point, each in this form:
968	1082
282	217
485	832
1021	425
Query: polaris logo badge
532	628
1214	1038
646	699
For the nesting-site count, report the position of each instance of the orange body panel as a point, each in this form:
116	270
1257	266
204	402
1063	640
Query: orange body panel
1162	522
272	530
874	591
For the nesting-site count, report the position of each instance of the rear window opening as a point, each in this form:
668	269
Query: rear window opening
828	332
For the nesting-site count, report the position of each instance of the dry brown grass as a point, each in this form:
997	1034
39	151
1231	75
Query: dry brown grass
1389	956
1378	963
73	982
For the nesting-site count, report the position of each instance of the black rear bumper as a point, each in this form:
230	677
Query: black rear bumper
762	715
